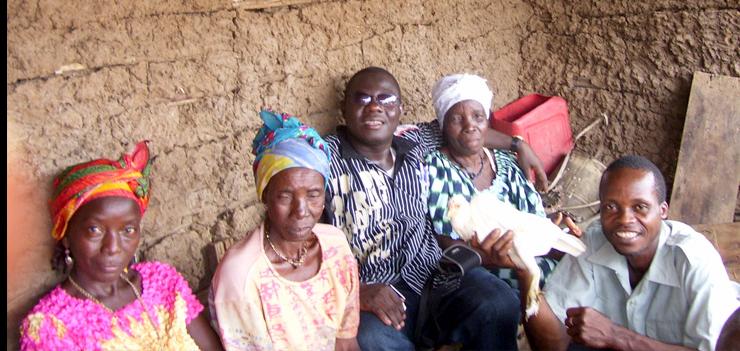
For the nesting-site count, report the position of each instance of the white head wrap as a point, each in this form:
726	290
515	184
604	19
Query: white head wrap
460	87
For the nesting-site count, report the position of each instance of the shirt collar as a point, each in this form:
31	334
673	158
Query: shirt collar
661	270
347	151
608	257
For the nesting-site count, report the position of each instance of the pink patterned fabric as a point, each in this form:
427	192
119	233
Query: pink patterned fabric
63	322
255	308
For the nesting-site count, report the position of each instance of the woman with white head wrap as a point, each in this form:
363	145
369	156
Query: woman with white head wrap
455	88
464	166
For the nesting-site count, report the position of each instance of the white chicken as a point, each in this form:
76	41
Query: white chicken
533	235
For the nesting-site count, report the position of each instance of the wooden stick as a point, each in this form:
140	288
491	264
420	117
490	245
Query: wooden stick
263	4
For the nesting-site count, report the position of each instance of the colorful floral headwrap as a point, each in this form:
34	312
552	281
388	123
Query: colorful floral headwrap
79	184
284	142
460	87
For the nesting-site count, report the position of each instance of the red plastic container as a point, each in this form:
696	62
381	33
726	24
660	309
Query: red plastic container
543	123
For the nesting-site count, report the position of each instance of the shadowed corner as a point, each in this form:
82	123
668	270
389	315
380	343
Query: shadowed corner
30	246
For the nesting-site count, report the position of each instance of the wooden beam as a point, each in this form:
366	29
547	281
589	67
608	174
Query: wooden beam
263	4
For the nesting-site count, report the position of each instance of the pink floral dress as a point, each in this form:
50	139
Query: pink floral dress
63	322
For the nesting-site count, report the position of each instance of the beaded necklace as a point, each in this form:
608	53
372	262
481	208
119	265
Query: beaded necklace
471	174
133	287
91	297
297	262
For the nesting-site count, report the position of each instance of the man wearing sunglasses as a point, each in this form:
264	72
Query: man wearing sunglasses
377	195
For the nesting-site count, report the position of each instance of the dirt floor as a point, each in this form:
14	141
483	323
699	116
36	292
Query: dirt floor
89	79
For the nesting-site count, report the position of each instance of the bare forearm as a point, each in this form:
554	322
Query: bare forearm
627	340
493	139
544	330
589	327
348	344
202	333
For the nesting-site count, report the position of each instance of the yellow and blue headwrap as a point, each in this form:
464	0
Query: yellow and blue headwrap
284	142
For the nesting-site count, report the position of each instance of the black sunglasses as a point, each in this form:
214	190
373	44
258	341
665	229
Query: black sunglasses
386	100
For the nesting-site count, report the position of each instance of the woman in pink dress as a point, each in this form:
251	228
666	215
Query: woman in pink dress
105	303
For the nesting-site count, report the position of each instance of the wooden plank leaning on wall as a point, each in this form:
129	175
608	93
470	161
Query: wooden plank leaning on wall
708	172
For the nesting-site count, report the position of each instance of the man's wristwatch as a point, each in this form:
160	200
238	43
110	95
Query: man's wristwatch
516	141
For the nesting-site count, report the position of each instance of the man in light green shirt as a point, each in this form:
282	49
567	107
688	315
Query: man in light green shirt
644	283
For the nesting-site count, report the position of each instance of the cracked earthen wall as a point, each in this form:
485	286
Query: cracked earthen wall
633	61
88	79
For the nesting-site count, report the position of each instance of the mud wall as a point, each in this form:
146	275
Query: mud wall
89	79
633	61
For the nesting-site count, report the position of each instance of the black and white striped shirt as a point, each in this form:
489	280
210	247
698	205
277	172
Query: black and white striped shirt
385	217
